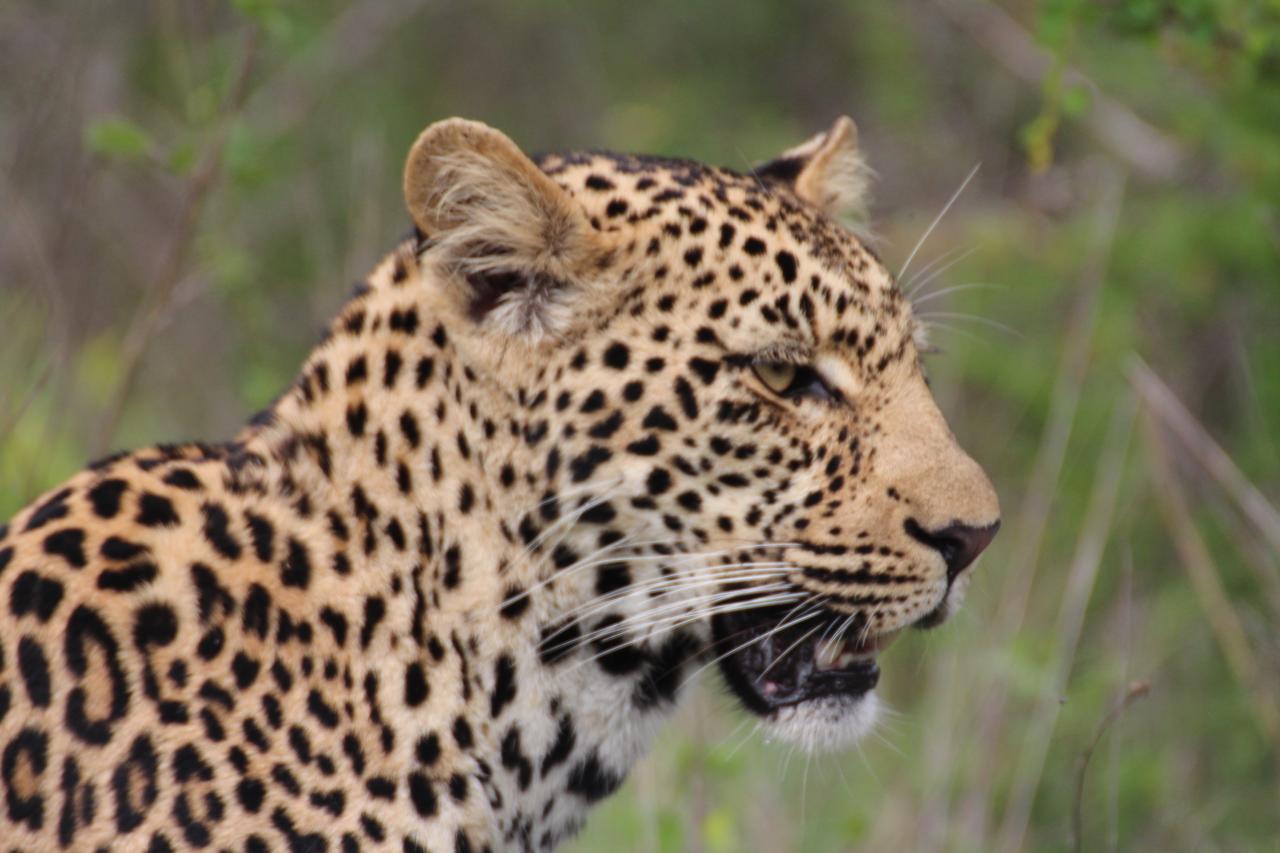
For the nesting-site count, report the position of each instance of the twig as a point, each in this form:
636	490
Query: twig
1149	151
1196	559
1075	602
160	293
1136	690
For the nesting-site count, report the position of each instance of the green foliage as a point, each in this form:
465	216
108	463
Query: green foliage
119	138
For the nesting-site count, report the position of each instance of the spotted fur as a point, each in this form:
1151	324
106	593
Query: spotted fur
442	595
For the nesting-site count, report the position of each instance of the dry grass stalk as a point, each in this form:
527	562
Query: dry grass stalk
1033	518
1226	625
1075	602
1163	405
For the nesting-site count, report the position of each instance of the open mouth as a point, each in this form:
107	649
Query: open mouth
771	669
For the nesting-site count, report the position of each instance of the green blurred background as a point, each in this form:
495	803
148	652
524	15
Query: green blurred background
188	188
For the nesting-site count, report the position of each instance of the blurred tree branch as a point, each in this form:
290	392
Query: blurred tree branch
346	43
1147	150
159	294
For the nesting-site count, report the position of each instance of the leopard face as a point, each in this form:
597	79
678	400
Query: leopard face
603	422
732	378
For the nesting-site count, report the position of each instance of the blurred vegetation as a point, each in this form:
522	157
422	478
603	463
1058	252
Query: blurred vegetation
188	187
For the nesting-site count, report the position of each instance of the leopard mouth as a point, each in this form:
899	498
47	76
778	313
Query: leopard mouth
771	669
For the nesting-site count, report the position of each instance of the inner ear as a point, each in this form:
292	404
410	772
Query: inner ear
827	170
489	288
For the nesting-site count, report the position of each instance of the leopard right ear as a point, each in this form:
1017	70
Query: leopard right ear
519	243
827	171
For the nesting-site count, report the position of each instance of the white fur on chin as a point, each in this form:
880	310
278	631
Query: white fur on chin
829	724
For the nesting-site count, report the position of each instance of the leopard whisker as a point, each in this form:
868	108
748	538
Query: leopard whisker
665	584
937	219
683	609
806	635
765	601
594	559
973	318
786	622
920	281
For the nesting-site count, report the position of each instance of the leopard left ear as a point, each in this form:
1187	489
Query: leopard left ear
516	246
827	171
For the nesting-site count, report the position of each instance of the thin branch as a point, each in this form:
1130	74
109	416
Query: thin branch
1135	691
159	295
346	44
1149	151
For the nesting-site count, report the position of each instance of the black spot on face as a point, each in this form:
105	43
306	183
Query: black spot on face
504	686
617	356
422	795
787	265
415	685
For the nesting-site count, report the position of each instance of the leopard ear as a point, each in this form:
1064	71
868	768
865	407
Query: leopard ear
518	241
827	171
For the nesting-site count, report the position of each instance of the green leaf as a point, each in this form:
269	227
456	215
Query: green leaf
268	15
119	138
1075	101
182	158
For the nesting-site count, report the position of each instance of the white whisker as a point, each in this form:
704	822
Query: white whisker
783	625
946	257
806	635
683	608
937	219
766	601
921	281
973	318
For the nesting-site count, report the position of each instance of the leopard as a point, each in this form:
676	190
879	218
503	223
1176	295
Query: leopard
599	422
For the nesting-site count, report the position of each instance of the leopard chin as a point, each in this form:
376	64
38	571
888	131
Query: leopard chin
824	725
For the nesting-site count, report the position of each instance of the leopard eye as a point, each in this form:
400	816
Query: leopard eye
777	376
794	380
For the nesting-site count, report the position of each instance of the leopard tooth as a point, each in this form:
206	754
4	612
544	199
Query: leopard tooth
827	654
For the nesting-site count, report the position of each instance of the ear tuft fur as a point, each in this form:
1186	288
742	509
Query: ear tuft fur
519	241
827	171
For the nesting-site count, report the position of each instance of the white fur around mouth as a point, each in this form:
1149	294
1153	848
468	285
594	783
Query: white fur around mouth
829	724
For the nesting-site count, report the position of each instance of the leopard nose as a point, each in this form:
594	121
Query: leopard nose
959	544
